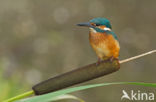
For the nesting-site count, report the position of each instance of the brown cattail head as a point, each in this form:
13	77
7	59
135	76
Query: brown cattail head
76	76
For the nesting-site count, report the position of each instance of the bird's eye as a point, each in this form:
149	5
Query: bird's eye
97	24
93	24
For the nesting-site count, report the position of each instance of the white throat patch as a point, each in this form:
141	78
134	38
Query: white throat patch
93	30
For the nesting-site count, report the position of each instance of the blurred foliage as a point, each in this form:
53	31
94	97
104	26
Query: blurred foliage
11	87
39	39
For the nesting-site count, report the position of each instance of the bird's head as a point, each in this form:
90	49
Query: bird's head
98	25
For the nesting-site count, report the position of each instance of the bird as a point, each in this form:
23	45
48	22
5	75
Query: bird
102	39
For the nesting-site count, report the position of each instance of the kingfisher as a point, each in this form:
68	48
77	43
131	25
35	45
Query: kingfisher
102	39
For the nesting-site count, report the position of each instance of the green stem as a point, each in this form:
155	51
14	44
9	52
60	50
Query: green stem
20	96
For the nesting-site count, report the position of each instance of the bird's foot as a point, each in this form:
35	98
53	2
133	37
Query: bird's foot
98	62
112	58
108	59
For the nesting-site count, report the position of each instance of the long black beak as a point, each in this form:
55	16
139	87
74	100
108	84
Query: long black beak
86	24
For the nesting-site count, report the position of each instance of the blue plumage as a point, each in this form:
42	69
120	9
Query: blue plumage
102	21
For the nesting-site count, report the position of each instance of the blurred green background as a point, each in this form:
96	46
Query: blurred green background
39	39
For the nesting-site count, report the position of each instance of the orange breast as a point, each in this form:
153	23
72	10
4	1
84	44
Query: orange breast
104	45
